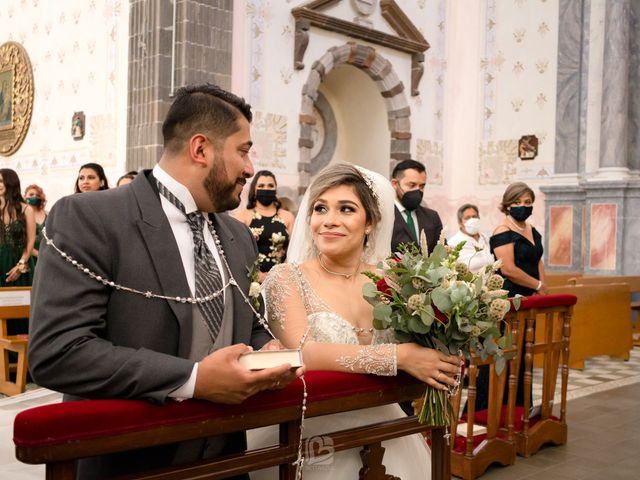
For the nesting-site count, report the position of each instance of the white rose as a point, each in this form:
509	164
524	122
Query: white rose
254	289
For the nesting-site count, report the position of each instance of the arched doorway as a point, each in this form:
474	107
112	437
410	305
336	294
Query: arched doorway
339	98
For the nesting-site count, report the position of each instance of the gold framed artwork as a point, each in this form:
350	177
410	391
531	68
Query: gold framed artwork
16	97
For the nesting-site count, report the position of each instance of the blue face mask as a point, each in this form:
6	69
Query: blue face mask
520	213
33	201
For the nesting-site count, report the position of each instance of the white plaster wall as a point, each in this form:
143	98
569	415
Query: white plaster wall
501	84
78	51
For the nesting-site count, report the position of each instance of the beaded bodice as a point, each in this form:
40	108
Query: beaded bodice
286	285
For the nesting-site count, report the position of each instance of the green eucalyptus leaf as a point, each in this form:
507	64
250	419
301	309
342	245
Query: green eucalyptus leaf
369	290
416	325
382	312
440	299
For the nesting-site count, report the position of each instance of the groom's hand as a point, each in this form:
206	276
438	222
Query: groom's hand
222	379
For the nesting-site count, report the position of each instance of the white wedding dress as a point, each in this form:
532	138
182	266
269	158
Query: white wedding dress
408	457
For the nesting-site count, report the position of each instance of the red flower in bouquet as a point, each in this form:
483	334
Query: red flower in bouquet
382	287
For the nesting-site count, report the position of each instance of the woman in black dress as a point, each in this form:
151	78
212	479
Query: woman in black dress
270	224
519	245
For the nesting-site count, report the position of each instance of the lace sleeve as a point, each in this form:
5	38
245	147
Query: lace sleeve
375	359
284	302
290	318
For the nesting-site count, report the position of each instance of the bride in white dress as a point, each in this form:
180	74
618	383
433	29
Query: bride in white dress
343	228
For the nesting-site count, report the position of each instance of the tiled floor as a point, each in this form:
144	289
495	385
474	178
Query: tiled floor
603	418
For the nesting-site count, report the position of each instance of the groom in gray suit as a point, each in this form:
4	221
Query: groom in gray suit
101	323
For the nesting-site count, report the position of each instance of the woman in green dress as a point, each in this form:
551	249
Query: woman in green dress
18	233
35	197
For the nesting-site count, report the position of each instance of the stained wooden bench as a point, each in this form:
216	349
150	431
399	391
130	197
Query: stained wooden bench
634	286
14	304
58	434
600	324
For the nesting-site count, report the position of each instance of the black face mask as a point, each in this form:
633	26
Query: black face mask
411	199
520	213
266	197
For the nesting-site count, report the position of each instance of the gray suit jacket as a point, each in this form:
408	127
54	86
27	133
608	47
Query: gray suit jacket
89	340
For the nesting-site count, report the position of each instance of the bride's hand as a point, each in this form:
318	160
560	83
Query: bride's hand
432	367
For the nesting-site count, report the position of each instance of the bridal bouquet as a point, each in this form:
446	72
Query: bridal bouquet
435	301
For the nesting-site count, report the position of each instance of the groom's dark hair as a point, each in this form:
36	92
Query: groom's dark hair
206	109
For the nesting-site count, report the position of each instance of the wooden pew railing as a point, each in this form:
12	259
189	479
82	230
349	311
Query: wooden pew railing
14	304
508	428
474	452
58	434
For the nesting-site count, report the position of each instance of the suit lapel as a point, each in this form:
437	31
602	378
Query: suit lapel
165	256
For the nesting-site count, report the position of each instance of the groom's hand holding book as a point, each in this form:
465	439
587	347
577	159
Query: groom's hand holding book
222	379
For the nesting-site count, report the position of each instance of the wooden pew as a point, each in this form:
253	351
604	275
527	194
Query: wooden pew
634	285
14	304
600	324
58	434
555	279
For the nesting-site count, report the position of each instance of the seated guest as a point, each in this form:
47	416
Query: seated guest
126	178
91	178
475	253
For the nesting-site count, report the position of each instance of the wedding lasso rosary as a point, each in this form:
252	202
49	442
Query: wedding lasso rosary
194	301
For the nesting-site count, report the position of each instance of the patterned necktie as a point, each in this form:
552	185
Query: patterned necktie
411	225
208	278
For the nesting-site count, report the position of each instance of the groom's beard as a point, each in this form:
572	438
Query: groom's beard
220	191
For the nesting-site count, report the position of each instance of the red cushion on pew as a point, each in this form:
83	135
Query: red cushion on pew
61	422
544	301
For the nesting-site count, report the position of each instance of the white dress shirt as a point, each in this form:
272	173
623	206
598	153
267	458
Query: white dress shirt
404	211
476	260
184	239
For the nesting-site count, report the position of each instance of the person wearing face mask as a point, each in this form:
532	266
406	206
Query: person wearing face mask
270	224
34	196
519	246
408	179
475	253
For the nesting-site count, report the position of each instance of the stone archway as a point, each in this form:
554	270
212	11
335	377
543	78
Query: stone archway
391	88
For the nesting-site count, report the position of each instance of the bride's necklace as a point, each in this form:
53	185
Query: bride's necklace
361	332
522	229
345	275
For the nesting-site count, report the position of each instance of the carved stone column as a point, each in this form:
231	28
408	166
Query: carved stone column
614	132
